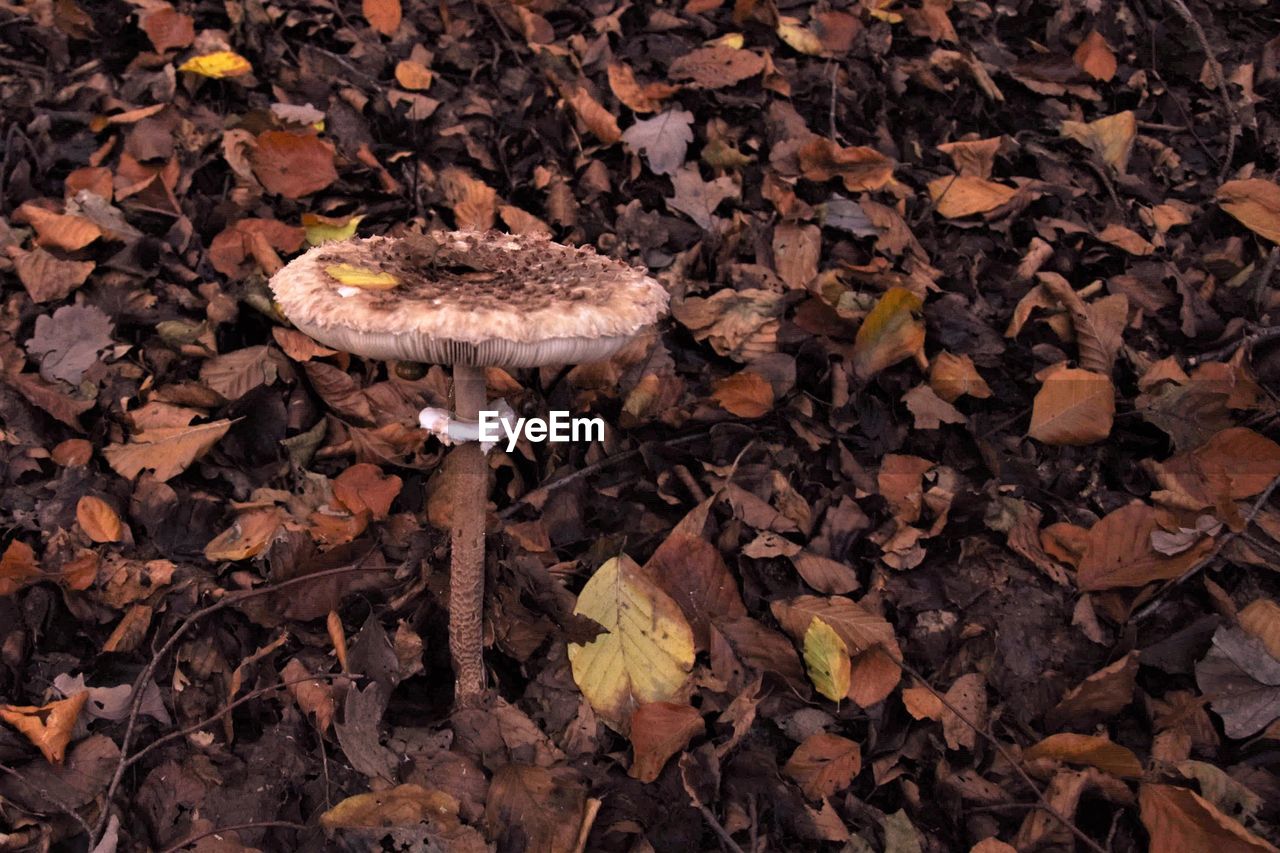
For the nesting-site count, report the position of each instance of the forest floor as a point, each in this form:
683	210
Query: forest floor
948	481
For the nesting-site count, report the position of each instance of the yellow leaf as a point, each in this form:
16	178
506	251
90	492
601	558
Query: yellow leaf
733	40
798	37
322	229
223	63
1099	752
647	652
1255	203
403	805
827	659
890	333
50	726
1111	138
367	279
745	394
98	520
1073	407
966	195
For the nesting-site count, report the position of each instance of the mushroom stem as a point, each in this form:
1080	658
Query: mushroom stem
466	573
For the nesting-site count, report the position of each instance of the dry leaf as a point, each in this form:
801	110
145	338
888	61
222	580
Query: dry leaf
954	376
412	74
48	278
167	28
658	731
474	203
1073	407
716	67
167	450
1119	552
363	487
824	764
602	123
1111	138
860	168
1261	619
957	196
98	520
641	99
1179	820
1255	203
1095	58
1099	752
745	394
973	158
292	164
663	139
891	332
48	727
383	15
17	567
826	658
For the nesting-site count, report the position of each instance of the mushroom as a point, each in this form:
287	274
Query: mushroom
471	300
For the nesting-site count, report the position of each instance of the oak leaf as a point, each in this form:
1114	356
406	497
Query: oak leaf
663	139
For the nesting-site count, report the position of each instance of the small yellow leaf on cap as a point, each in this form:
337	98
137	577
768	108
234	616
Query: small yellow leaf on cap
223	63
361	277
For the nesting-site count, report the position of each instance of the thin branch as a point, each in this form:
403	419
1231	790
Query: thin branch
218	830
148	671
1233	129
1151	606
1000	748
710	817
48	795
1270	333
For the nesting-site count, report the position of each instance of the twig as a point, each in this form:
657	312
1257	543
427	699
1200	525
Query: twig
593	468
1000	748
148	671
1260	336
1234	127
1150	607
48	795
218	830
710	817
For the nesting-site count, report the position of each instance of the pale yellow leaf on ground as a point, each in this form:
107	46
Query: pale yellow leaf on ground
647	651
1255	203
223	63
403	805
957	196
166	450
1099	752
1073	407
826	657
797	37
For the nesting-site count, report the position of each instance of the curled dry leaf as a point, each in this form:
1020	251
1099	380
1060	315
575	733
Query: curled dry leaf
641	99
474	203
98	520
824	764
1099	752
973	158
646	651
48	727
1073	407
891	332
658	731
1255	203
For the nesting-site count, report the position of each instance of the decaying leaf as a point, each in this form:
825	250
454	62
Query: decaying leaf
48	727
1255	203
890	333
1073	406
824	764
168	451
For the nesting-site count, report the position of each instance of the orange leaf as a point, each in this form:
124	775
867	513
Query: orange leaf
1099	752
1255	203
49	727
953	376
474	202
247	537
60	230
861	168
293	164
363	486
1073	407
658	731
641	99
890	333
745	394
1119	553
964	195
1095	58
98	520
717	66
824	764
17	566
598	120
1180	820
168	28
383	15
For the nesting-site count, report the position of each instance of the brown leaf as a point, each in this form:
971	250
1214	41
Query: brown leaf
312	695
953	376
899	481
861	169
168	450
1235	464
339	391
168	28
1093	751
872	678
745	394
1119	553
72	453
48	727
298	346
973	158
825	574
363	487
59	230
1178	820
1261	619
98	520
1095	58
891	332
957	196
717	66
824	764
1111	138
1099	697
293	164
658	731
247	537
47	278
412	74
383	15
602	123
860	629
1099	326
1073	407
967	694
533	808
1255	203
641	99
474	203
17	567
929	410
129	633
740	324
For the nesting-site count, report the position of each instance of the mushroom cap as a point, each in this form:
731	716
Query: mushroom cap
468	297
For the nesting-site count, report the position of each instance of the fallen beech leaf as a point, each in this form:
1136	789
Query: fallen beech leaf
872	678
1178	819
1073	407
797	37
98	520
48	727
891	332
1099	752
312	695
602	123
167	28
641	99
59	230
861	169
860	629
403	805
953	376
1119	552
531	808
1095	58
796	253
247	537
383	15
363	486
72	453
745	394
1255	203
698	199
824	764
474	203
992	845
967	694
413	75
292	164
658	731
663	139
166	450
973	158
48	278
220	64
957	196
647	650
1099	697
1235	464
1126	238
298	346
1261	619
1111	138
716	67
826	658
17	567
1242	681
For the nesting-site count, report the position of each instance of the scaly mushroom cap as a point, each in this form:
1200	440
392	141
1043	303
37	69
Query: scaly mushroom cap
467	297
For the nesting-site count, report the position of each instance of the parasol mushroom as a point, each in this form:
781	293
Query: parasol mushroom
471	300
